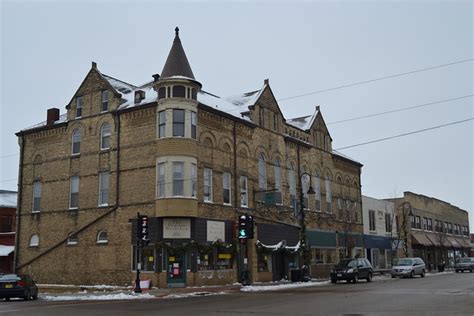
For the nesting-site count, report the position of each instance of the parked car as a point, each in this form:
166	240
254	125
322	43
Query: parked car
465	264
14	285
352	270
408	267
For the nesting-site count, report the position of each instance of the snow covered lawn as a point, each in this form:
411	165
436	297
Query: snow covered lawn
105	297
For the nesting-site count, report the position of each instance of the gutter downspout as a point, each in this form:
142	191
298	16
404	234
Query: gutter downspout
18	206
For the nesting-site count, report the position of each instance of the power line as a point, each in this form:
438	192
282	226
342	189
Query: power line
11	155
400	109
378	79
406	134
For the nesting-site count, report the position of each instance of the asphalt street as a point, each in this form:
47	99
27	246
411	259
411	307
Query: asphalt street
449	294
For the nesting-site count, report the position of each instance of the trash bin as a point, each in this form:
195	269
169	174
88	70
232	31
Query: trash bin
440	267
296	275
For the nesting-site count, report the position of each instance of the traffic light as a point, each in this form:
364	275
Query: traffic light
243	227
249	226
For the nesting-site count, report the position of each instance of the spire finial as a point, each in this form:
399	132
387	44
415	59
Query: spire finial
177	31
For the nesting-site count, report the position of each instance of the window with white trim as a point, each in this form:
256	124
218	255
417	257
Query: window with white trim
193	180
160	192
193	125
178	123
36	197
226	178
244	198
105	133
79	107
104	188
178	178
105	101
207	185
161	124
74	193
371	220
72	239
34	241
102	237
76	142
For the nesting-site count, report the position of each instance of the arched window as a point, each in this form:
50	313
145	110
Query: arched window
179	92
162	93
76	142
277	172
34	241
105	136
72	239
102	237
328	194
292	185
317	190
262	173
305	183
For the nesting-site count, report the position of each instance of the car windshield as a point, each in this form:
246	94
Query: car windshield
9	277
465	260
404	262
347	263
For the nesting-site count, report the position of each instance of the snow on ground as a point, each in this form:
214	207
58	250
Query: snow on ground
106	297
439	273
276	287
193	294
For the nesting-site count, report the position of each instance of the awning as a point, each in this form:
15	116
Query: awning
454	242
434	239
6	250
321	239
421	239
463	242
351	240
281	245
379	242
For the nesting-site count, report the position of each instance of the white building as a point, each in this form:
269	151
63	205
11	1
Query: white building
380	230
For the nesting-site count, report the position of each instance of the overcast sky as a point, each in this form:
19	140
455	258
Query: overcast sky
302	47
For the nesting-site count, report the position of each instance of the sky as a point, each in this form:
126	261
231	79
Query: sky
301	47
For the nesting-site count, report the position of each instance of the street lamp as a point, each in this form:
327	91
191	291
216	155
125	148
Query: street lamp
303	243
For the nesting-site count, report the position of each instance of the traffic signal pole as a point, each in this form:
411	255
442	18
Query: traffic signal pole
138	289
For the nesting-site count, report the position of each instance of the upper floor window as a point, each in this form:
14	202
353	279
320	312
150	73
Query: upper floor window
262	173
275	122
292	185
425	223
105	136
36	197
161	124
6	224
34	241
178	123
72	239
261	117
244	198
162	93
388	223
371	220
207	185
179	91
74	193
105	101
317	191
277	172
178	178
418	222
193	180
76	142
328	194
102	237
193	125
103	188
161	180
226	187
78	107
429	224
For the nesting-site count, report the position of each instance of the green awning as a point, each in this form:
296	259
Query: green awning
319	238
351	239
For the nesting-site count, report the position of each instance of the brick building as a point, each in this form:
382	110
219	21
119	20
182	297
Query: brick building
193	163
8	201
431	229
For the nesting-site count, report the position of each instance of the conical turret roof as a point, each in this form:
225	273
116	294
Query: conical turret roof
177	64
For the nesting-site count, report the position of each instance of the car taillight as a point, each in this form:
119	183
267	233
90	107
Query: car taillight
21	283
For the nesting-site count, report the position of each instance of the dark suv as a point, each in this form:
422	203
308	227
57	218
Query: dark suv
352	270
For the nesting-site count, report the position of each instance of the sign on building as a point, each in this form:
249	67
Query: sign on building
176	228
215	231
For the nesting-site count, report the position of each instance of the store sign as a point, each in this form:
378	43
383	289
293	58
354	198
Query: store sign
215	231
174	228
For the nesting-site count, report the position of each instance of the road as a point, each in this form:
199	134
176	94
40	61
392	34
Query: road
449	294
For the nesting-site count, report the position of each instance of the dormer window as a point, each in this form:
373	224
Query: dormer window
78	107
105	101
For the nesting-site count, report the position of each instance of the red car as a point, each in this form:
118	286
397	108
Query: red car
14	285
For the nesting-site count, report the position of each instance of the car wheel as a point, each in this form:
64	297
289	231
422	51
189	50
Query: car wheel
412	274
457	271
423	273
334	281
27	295
393	277
369	277
356	278
7	299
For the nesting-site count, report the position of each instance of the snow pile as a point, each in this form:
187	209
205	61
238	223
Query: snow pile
276	287
439	273
8	198
193	294
106	297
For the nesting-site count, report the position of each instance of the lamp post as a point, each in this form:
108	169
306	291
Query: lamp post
303	243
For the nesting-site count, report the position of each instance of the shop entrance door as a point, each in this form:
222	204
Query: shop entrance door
176	270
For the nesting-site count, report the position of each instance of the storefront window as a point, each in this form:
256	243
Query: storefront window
323	255
147	258
264	262
206	260
224	260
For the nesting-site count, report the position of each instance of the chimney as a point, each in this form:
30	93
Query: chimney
94	65
317	108
266	81
156	77
139	96
53	116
